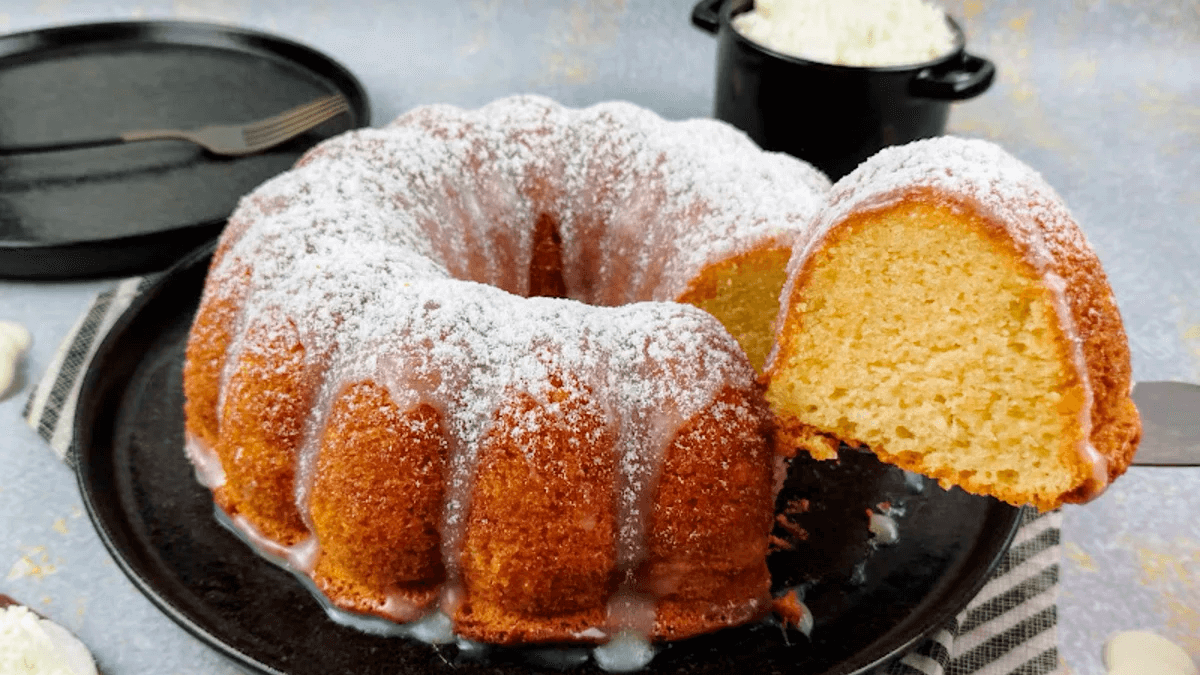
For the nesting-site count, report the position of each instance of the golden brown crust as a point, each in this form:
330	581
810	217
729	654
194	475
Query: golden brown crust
704	572
791	435
704	568
204	363
376	504
262	423
204	360
1116	425
537	562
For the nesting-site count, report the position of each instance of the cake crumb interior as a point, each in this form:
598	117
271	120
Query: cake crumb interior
743	294
927	341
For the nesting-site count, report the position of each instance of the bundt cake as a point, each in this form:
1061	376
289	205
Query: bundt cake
947	313
441	366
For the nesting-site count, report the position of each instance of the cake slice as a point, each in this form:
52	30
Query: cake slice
947	313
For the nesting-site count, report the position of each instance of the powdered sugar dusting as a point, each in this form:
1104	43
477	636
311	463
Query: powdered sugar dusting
978	172
400	256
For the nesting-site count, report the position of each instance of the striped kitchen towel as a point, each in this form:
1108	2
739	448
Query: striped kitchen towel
51	407
1008	629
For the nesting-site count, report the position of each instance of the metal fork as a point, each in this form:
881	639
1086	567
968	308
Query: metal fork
232	140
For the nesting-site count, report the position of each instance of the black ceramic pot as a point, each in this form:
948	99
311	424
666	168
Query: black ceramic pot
833	116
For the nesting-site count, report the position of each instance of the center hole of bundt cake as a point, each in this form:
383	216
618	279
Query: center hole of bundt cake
741	292
546	262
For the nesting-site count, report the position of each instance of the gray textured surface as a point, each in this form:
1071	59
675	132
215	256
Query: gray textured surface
1103	97
1131	560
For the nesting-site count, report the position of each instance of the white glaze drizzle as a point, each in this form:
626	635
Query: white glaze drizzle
432	628
884	528
205	461
626	652
807	620
914	481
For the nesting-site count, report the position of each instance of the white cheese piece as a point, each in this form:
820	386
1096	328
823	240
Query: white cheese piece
33	646
1140	652
14	342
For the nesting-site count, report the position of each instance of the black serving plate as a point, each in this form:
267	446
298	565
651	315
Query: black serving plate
871	604
133	208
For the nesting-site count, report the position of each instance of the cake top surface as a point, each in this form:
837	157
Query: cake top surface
691	191
1010	193
448	195
643	203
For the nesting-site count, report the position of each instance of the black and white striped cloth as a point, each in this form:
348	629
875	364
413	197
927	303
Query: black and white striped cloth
1008	629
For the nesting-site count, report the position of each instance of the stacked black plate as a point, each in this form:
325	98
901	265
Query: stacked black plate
126	209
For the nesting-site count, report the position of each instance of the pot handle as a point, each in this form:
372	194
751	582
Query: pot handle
964	78
706	15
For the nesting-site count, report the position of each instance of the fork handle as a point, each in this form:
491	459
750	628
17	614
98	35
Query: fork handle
154	135
37	148
124	137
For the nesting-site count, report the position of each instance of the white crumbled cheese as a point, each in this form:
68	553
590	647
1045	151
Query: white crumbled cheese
33	646
859	33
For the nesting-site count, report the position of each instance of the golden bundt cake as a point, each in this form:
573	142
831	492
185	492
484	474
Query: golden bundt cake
379	394
947	313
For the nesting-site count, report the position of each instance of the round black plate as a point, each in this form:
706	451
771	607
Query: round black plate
871	604
133	208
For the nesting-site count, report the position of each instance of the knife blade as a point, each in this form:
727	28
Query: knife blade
1170	423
